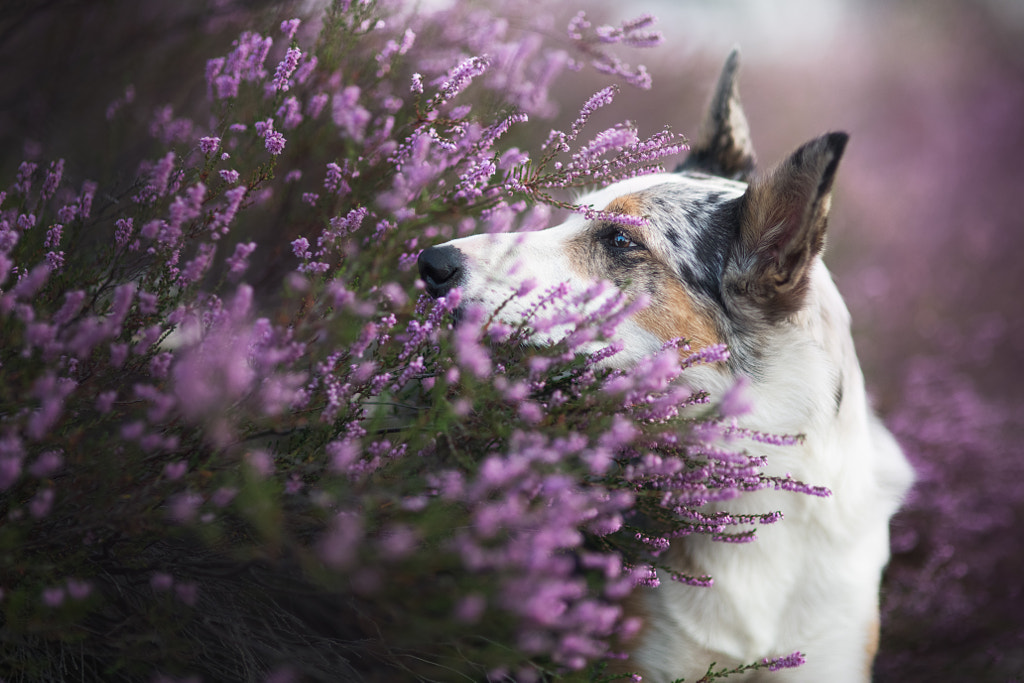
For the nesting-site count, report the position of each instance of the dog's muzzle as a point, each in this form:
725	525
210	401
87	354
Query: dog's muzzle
441	269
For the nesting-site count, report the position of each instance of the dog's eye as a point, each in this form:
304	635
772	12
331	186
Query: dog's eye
622	241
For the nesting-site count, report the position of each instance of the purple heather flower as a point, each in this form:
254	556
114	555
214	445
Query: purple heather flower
458	79
289	27
334	180
72	305
8	238
391	48
209	145
591	44
470	608
699	581
51	392
161	175
151	229
471	355
10	470
31	283
5	269
24	182
264	127
67	213
300	247
399	541
182	508
735	401
716	353
348	115
118	354
105	401
78	589
530	412
343	454
132	431
230	176
316	104
26	221
147	303
294	485
286	68
52	180
260	463
53	597
127	98
339	546
275	142
223	496
123	232
290	112
168	129
238	262
213	70
787	662
596	101
160	364
223	217
56	260
46	464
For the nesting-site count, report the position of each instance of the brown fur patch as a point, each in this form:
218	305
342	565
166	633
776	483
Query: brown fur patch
629	204
871	646
673	314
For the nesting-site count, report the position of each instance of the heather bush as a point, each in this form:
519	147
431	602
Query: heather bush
237	444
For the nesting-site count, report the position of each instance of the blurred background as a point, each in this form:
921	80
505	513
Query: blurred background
926	238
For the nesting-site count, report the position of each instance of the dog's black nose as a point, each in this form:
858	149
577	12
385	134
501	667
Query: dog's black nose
441	269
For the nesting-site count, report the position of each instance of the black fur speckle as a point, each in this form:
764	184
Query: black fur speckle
674	238
717	232
798	157
836	143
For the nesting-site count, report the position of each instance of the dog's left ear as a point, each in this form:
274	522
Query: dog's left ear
723	146
783	217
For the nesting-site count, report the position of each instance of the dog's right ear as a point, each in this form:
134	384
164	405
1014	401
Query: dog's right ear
723	146
782	220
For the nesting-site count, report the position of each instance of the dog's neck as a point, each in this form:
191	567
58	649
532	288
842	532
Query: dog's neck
805	381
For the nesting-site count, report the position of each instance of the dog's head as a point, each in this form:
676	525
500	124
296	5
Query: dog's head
721	254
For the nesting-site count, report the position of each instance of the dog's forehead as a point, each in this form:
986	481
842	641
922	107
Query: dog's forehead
686	192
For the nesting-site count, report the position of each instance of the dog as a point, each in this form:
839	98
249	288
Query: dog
727	255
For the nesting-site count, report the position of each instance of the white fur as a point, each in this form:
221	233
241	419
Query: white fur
810	582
